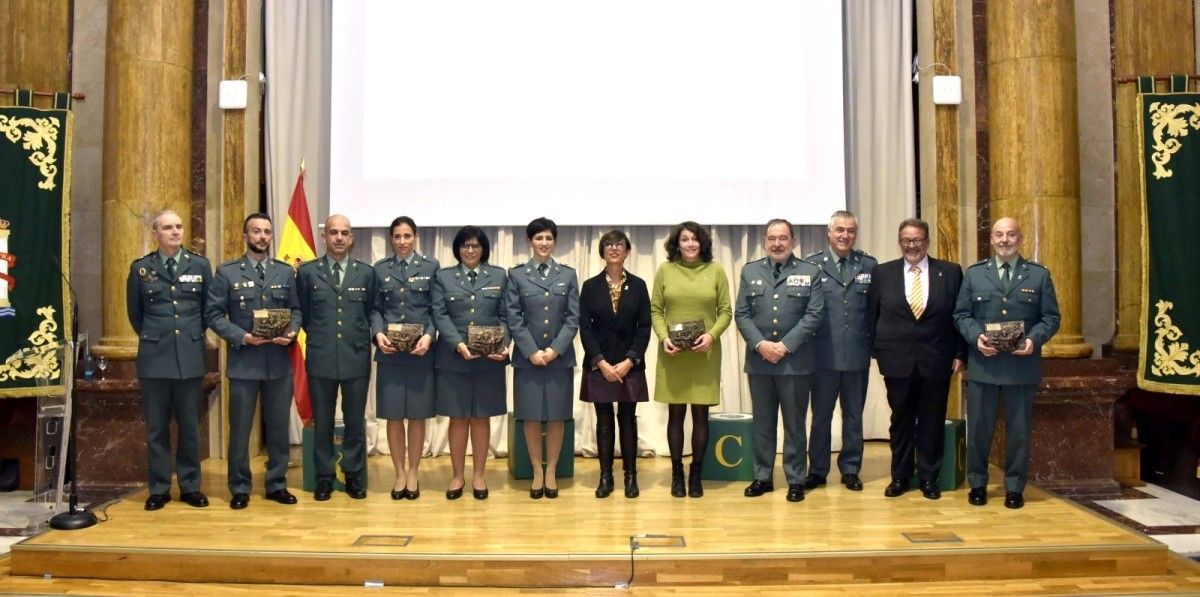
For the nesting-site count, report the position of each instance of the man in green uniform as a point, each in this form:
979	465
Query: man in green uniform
1006	287
336	293
165	296
253	364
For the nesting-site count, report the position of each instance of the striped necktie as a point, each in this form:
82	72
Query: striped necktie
916	297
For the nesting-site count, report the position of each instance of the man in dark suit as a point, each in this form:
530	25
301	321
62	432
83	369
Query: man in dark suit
165	297
918	349
1006	287
336	292
240	286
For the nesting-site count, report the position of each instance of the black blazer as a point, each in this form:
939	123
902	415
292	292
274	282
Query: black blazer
614	336
903	343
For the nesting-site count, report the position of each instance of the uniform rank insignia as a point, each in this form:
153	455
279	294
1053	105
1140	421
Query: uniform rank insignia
195	278
863	278
1028	290
799	280
148	275
248	284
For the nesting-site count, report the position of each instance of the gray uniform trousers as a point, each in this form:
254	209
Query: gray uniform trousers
827	384
771	394
163	399
277	408
983	402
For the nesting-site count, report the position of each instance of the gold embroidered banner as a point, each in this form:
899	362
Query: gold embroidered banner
1170	145
35	232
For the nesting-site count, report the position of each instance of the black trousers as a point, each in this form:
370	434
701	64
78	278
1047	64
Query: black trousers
918	423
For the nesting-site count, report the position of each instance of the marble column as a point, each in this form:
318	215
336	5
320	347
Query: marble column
147	144
1034	145
1149	38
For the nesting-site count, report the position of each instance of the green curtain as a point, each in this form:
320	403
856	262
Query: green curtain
35	232
1170	143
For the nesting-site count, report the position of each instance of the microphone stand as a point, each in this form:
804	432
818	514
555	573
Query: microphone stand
74	518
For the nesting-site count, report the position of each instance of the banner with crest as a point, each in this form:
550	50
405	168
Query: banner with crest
1169	126
35	233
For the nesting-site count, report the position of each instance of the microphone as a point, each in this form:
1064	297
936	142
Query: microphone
74	297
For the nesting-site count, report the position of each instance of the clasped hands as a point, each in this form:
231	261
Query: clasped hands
386	346
615	373
702	344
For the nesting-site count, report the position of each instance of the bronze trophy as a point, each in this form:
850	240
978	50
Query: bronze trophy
271	323
484	339
683	335
404	336
1005	336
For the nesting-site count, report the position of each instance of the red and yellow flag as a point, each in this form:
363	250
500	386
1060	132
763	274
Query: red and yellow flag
295	247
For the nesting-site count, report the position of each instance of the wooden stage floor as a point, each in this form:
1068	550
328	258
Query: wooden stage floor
835	537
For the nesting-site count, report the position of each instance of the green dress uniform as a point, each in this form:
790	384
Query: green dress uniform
685	292
336	321
984	298
474	388
543	312
167	312
404	383
843	351
239	287
783	304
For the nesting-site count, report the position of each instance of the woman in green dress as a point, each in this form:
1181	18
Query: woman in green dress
689	287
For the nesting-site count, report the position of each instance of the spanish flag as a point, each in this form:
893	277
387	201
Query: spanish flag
295	247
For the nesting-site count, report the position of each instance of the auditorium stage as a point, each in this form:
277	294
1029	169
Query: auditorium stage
835	538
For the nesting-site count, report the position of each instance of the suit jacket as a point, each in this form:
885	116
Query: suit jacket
904	344
337	319
232	298
610	336
843	341
787	309
457	303
168	314
1030	298
543	312
404	299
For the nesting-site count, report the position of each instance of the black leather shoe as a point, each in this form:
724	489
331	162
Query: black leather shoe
157	500
551	493
605	487
896	488
930	490
536	494
758	488
795	492
399	494
631	486
481	494
239	501
852	482
282	496
355	489
454	494
194	499
812	482
977	496
695	488
1013	500
324	490
412	494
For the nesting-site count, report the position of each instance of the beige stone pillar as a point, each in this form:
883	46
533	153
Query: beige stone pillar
147	143
1034	145
1149	38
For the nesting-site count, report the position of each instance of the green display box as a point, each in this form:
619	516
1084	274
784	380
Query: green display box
310	460
518	453
730	452
954	457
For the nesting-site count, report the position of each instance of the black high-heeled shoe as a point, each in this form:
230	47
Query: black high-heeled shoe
551	493
399	495
412	494
454	494
479	494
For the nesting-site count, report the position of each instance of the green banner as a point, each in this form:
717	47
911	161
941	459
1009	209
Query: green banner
35	233
1169	127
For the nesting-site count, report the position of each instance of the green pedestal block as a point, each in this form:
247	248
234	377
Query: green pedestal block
310	460
730	452
518	453
954	457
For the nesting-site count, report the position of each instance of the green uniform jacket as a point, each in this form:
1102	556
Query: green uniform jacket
543	313
843	341
788	310
235	293
168	315
982	300
337	319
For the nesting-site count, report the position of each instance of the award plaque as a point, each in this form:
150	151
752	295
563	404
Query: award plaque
684	335
1005	336
484	339
404	336
271	323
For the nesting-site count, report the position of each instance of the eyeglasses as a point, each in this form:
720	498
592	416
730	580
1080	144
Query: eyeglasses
616	245
471	246
912	242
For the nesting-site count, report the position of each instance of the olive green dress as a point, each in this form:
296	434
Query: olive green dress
682	292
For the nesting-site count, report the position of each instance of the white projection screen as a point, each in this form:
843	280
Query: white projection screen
632	112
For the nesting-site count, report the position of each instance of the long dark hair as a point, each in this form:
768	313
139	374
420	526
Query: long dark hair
672	244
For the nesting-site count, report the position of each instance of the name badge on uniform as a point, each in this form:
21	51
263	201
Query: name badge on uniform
417	278
863	279
246	284
1028	290
561	284
799	280
490	288
191	278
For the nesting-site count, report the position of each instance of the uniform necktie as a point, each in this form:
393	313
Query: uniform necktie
1005	275
543	269
171	267
916	299
842	269
262	273
471	275
337	274
403	268
778	270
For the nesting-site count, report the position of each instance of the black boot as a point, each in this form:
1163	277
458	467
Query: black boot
694	488
677	489
604	450
631	488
